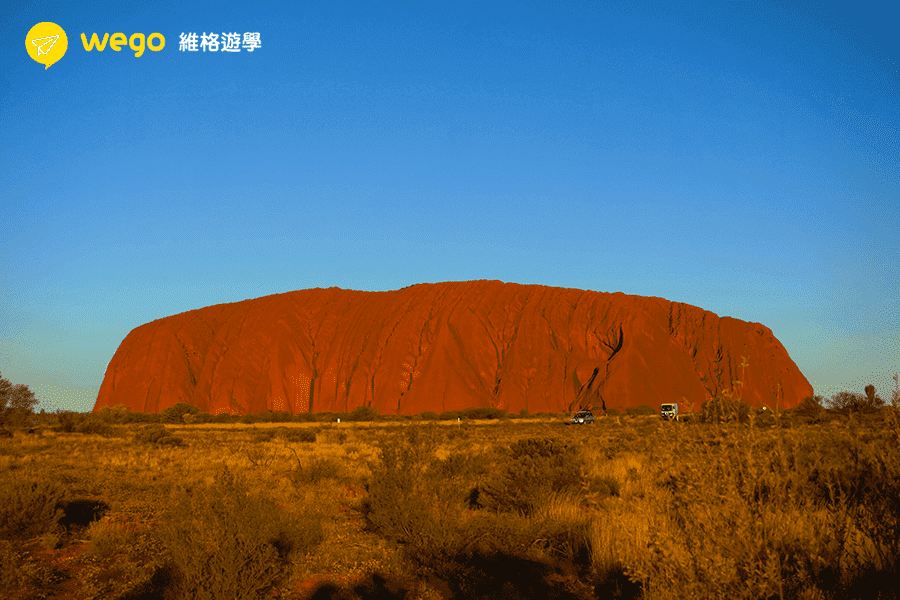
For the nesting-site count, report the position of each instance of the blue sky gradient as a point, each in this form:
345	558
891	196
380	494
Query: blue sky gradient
741	156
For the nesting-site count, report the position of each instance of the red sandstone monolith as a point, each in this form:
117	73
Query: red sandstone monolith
446	346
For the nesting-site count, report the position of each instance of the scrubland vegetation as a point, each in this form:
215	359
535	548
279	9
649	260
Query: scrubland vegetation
735	504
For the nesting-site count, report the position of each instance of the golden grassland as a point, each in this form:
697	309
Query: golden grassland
631	507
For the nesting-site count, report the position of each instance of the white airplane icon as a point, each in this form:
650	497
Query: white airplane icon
42	42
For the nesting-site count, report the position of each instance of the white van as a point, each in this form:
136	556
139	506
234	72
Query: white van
669	412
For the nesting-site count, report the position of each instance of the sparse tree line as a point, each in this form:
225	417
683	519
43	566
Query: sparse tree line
17	403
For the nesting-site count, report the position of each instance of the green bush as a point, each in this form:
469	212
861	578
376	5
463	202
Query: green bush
226	542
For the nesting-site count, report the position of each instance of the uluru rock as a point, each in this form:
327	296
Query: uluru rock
446	346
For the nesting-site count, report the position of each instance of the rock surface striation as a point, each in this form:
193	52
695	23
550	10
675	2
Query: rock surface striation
446	346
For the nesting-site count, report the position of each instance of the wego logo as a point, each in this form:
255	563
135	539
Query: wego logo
46	43
136	42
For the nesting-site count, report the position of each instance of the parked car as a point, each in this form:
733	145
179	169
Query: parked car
669	412
583	417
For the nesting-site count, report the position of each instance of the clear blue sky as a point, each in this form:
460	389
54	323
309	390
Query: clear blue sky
741	156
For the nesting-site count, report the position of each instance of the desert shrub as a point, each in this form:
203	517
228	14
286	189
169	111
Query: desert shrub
603	486
810	407
156	434
86	423
92	425
29	507
412	498
395	504
225	418
203	417
534	468
281	416
251	419
108	537
849	402
483	412
118	415
450	415
335	437
299	435
304	417
783	515
176	412
464	465
463	431
640	411
139	417
261	435
363	413
764	418
266	416
429	415
68	421
226	542
315	470
723	409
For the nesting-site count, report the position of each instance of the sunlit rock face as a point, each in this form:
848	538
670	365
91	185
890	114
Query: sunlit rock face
446	346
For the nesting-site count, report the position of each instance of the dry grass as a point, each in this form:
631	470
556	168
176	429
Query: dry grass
629	507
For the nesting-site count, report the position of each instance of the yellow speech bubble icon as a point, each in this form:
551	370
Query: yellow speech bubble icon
46	43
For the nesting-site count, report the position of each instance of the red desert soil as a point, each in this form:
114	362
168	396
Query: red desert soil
446	346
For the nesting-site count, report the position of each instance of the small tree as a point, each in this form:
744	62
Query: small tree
850	402
17	403
872	400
